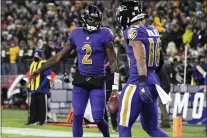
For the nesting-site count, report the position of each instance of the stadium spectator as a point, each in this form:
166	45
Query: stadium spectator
171	49
5	59
13	52
164	76
175	34
188	34
21	62
157	23
40	23
164	71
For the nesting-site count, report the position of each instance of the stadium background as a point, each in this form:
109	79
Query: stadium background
30	25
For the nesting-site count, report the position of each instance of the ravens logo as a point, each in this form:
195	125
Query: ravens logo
132	34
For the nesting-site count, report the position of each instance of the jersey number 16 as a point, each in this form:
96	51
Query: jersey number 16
154	52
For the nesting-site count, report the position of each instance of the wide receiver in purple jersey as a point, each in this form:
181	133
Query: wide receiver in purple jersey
139	96
92	44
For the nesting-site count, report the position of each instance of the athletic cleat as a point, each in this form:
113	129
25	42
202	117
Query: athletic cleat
165	125
41	124
31	123
115	130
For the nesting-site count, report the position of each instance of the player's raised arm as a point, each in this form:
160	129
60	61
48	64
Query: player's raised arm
140	56
52	60
57	58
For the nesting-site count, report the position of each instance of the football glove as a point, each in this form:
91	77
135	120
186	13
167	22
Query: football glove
145	93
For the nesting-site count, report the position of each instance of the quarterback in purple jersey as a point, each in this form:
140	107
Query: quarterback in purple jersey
139	95
93	44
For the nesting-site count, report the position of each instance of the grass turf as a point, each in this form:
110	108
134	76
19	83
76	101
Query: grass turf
16	135
17	118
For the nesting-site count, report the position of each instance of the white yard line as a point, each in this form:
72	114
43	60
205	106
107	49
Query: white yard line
46	133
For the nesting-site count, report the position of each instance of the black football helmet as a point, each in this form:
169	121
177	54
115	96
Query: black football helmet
129	12
91	18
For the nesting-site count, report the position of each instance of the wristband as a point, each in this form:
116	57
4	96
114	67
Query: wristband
142	78
116	79
115	86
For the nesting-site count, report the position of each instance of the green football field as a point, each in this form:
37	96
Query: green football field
15	119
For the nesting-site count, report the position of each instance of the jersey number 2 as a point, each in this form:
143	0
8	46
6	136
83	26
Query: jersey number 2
88	50
154	56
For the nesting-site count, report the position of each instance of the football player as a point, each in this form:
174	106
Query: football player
139	95
93	44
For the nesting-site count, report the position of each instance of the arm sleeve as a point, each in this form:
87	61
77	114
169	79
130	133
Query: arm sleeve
109	36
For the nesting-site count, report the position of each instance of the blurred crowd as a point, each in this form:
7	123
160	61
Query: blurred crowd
30	25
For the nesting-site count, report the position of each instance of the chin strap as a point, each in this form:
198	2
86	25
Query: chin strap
115	86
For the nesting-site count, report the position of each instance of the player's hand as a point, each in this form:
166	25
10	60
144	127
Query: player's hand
33	76
73	69
145	93
114	93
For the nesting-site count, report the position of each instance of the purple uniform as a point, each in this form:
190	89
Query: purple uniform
91	51
131	104
152	50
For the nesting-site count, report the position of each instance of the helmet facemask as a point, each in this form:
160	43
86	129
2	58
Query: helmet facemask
92	24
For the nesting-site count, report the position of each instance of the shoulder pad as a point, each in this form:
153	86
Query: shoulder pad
107	30
76	29
132	33
136	32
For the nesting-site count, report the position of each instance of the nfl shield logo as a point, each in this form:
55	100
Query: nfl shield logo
87	38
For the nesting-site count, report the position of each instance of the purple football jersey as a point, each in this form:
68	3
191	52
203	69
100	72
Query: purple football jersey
151	40
91	49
